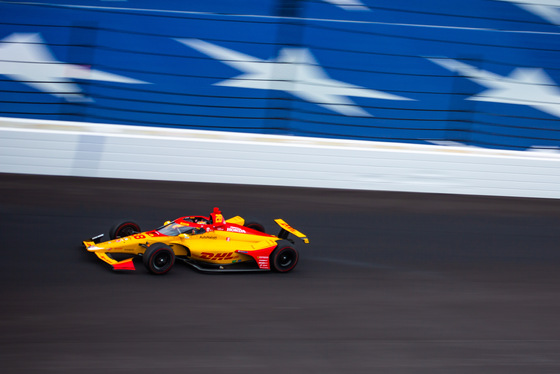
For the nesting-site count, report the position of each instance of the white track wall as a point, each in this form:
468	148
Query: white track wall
115	151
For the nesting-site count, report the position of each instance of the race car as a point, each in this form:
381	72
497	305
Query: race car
207	243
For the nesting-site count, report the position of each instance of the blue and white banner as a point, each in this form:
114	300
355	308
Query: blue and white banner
482	73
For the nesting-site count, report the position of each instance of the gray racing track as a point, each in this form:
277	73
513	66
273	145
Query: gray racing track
391	283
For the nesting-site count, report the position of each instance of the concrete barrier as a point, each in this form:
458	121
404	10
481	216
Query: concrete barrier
133	152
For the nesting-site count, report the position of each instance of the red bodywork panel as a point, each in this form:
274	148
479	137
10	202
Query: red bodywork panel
262	256
124	265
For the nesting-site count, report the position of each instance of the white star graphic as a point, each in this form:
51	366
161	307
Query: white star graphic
547	9
25	58
295	71
349	4
524	86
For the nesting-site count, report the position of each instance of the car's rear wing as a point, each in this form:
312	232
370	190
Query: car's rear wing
286	229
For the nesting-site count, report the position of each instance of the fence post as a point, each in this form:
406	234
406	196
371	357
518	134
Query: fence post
462	111
280	104
81	51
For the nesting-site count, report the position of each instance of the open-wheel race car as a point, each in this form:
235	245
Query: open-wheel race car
207	243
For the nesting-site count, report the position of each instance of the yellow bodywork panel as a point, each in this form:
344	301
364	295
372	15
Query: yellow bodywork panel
221	247
237	220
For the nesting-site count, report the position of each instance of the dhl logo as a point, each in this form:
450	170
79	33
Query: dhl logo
217	256
287	227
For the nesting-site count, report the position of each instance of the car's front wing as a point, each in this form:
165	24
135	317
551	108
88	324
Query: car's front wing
127	264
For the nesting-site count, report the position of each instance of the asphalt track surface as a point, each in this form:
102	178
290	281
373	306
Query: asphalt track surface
391	283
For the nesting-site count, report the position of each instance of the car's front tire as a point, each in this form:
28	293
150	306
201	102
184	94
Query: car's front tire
158	258
124	229
284	258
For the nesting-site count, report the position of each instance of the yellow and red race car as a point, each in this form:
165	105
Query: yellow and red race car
206	243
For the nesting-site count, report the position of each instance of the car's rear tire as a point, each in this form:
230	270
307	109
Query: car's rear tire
158	258
284	258
254	224
123	229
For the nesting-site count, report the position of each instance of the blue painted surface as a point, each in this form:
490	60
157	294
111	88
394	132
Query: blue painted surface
389	48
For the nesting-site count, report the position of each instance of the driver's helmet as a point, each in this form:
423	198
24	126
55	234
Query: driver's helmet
201	221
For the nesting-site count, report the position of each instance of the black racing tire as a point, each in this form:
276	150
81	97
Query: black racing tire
254	224
284	258
123	229
158	258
